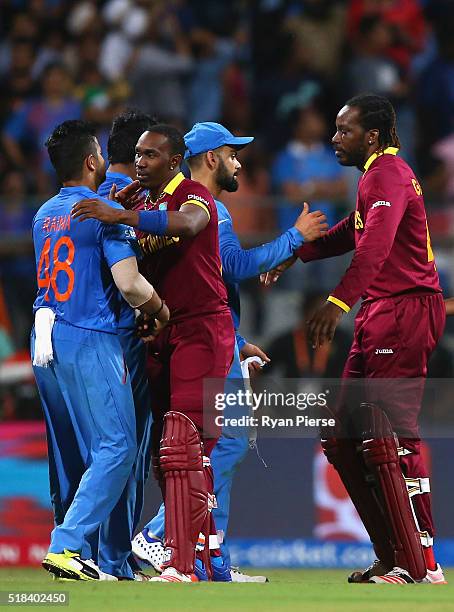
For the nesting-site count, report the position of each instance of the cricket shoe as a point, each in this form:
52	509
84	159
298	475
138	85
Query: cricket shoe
220	571
435	576
69	566
396	576
377	568
170	574
148	549
238	576
200	571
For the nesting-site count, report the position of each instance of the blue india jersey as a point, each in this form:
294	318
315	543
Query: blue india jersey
126	316
73	261
120	180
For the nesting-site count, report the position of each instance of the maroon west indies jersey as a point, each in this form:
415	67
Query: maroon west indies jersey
186	272
388	230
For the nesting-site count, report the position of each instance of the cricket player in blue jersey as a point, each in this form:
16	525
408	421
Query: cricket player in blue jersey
78	361
124	134
212	158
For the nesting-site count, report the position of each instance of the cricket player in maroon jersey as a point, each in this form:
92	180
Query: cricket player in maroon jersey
179	240
398	325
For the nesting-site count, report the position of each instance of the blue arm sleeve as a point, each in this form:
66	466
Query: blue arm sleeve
240	340
153	222
239	264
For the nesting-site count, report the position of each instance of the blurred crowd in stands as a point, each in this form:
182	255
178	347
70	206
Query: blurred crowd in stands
275	69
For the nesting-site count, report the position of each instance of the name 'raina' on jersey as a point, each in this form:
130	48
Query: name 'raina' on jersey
152	244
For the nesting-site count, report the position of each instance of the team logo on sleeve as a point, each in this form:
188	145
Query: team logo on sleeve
381	203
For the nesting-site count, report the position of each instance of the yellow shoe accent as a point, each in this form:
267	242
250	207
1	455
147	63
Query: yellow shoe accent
69	565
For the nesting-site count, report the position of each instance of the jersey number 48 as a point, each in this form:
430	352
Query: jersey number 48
48	272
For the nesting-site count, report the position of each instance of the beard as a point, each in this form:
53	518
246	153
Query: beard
355	158
224	180
101	174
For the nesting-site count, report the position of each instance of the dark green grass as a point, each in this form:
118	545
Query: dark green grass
309	590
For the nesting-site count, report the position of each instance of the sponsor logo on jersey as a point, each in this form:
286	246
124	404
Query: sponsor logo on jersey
384	352
152	244
380	203
192	196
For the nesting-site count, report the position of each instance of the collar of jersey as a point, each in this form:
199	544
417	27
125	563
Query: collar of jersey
170	187
79	188
120	175
373	157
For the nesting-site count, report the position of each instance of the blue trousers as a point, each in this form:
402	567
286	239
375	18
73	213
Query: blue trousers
90	418
116	533
226	458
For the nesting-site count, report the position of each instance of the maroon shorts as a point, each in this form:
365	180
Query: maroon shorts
394	338
182	356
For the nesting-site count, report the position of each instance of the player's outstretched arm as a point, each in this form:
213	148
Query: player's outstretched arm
449	303
338	240
239	264
185	223
92	208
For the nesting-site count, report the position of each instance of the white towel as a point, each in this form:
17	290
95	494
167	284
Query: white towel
44	321
246	362
247	386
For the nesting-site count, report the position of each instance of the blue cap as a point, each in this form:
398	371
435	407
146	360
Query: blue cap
208	136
